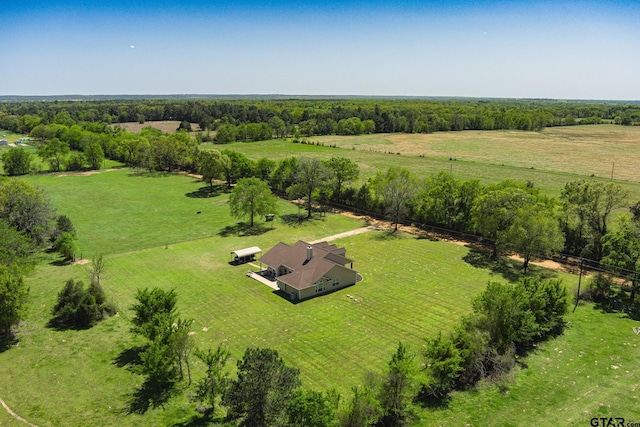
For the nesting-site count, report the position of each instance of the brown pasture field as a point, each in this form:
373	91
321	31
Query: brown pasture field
581	150
167	126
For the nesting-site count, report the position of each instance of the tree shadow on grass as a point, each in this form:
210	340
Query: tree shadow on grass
201	421
57	325
146	174
621	306
6	342
129	357
207	191
151	394
509	269
243	229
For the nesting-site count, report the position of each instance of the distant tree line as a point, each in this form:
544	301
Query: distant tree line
246	120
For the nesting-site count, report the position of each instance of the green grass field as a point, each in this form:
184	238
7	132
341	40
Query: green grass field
151	235
548	159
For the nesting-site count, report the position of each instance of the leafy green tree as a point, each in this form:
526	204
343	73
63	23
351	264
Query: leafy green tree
622	252
396	187
13	301
239	166
278	126
27	209
548	301
16	161
343	170
210	166
264	168
591	203
66	244
447	202
54	152
158	364
151	304
185	126
310	176
264	385
251	197
363	409
443	364
75	161
225	133
216	380
535	231
283	176
310	408
94	154
399	388
496	209
16	249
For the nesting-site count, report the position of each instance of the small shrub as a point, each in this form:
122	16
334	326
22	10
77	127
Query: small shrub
76	307
600	289
75	161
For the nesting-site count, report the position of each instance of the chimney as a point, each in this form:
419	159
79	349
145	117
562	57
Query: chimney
309	252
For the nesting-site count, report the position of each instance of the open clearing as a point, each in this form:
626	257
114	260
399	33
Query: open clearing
150	231
580	150
548	159
168	126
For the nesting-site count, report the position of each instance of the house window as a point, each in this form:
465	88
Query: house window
320	286
336	282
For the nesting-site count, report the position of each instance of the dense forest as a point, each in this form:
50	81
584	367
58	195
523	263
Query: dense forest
322	116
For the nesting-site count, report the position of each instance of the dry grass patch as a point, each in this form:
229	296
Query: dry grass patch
167	126
582	150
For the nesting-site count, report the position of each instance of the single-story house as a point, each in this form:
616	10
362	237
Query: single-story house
242	256
305	270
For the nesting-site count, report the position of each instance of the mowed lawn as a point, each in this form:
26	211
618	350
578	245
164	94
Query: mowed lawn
412	289
121	210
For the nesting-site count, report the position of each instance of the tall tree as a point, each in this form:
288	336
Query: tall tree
396	187
310	408
216	379
251	197
210	166
94	154
54	152
447	202
311	175
27	209
592	202
534	231
621	250
13	301
343	170
398	388
152	303
264	386
496	209
16	161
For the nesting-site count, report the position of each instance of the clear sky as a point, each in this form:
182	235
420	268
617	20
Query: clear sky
515	49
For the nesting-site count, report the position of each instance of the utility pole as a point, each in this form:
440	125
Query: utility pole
612	166
579	281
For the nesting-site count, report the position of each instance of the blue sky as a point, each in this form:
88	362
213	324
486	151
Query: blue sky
515	49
